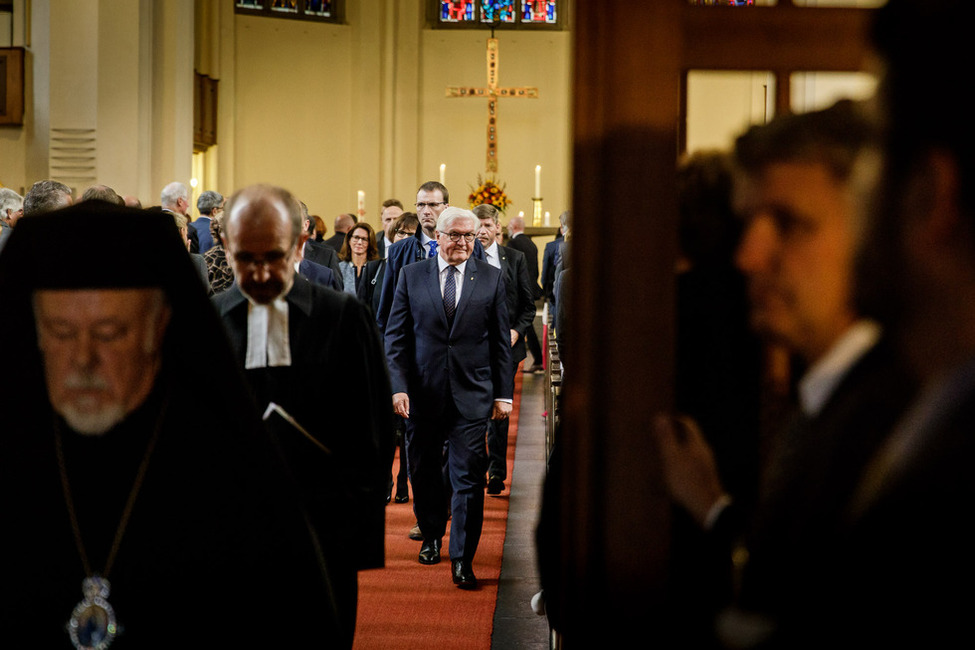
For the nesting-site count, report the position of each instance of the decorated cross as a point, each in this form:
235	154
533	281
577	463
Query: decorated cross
493	93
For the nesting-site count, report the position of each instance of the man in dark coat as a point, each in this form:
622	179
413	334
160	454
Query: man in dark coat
519	241
520	301
448	348
316	354
794	191
169	512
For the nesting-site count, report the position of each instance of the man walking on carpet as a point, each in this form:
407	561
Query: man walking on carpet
449	353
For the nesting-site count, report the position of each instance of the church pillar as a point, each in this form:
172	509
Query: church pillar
618	354
172	93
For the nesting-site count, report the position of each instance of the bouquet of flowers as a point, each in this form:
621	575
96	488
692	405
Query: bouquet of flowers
488	191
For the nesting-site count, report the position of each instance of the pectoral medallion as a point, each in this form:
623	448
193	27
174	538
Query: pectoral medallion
92	625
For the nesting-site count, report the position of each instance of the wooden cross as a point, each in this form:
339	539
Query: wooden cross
493	93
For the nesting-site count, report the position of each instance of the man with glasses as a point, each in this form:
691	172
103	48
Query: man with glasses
315	353
448	347
431	200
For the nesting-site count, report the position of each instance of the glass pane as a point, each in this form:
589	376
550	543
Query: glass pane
502	11
250	4
285	6
457	11
539	11
810	91
318	7
721	105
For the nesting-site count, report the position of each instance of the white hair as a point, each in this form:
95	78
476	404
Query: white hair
452	214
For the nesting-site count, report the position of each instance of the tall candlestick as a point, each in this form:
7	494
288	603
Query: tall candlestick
443	173
538	181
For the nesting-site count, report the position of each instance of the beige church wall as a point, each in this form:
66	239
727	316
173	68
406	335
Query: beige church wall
293	110
329	110
530	131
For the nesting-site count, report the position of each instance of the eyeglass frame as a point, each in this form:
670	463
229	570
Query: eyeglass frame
456	236
432	206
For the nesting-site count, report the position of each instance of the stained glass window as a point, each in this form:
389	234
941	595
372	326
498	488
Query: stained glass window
505	14
539	11
320	10
457	11
498	11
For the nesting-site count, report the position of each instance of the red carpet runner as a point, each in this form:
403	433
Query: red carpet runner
409	605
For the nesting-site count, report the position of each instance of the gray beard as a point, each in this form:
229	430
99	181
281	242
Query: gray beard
93	423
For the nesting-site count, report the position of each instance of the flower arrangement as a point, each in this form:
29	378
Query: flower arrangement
488	191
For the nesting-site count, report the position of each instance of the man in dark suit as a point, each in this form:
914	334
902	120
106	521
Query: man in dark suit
519	241
319	274
909	541
794	190
209	205
431	200
520	301
449	353
392	209
175	199
550	260
318	252
316	354
343	224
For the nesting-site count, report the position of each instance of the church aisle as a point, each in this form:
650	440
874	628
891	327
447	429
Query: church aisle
408	605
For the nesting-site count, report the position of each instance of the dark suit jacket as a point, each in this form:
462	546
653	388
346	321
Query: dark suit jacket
336	241
202	228
370	289
908	547
527	247
406	251
334	388
796	573
322	254
319	274
520	299
470	362
550	258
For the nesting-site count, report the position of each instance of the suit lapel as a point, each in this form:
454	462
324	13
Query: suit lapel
469	280
433	289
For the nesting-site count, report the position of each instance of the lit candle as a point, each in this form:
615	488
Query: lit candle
443	173
547	217
538	182
361	199
521	213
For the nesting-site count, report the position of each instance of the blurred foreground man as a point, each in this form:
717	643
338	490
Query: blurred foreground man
910	542
132	518
795	189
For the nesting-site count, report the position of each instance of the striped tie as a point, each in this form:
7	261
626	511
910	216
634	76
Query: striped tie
450	294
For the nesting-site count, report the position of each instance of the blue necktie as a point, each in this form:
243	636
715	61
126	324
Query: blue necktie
450	294
433	248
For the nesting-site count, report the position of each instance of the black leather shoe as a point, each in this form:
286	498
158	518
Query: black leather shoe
430	552
463	574
495	486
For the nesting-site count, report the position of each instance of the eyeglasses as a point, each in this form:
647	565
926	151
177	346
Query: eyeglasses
456	236
407	233
420	206
358	238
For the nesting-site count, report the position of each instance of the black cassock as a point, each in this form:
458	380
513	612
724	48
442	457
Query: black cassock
218	551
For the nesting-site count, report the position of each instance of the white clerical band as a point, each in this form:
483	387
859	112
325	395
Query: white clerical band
267	335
